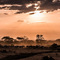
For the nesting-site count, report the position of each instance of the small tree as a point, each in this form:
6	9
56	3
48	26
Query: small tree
37	36
20	38
5	38
8	39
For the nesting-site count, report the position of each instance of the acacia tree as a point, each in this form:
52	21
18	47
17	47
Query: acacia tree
5	38
40	39
37	36
8	39
20	38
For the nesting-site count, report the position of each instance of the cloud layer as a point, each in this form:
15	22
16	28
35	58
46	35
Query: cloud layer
21	5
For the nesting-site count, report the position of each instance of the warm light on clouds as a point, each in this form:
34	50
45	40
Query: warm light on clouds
36	17
30	18
28	5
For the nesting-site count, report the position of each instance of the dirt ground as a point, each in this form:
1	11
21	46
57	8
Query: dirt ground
26	54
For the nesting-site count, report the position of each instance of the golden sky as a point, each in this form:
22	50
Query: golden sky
30	23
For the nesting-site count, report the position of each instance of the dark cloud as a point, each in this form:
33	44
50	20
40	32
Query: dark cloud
20	21
3	7
24	9
18	12
48	5
6	13
16	1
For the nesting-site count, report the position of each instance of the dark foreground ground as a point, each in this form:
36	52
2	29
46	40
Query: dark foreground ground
19	53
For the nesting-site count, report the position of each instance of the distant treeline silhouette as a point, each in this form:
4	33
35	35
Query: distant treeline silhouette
6	40
51	47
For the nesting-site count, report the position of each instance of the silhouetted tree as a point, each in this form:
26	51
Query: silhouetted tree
25	38
20	38
57	40
8	39
37	36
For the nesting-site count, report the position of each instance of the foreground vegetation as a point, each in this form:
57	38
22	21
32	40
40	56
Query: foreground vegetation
25	49
28	52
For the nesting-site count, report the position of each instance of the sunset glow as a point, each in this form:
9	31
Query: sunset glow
36	17
20	18
29	29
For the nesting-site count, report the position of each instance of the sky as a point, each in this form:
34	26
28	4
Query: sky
29	18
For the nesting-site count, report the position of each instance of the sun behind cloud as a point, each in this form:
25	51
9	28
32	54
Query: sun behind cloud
36	16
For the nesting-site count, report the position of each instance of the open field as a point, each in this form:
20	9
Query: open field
19	53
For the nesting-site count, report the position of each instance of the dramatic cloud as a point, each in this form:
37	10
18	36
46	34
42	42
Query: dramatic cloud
24	6
49	5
